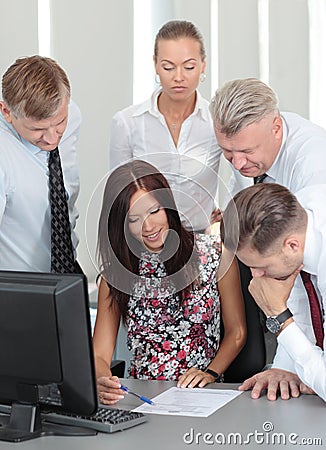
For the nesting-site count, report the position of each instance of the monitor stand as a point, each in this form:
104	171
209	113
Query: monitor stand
25	422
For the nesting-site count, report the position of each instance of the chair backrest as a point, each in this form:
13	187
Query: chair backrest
118	368
252	357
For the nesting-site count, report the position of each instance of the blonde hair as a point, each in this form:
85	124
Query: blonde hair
35	87
241	102
178	29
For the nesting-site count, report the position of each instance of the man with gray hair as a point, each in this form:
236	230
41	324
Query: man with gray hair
259	140
284	245
263	144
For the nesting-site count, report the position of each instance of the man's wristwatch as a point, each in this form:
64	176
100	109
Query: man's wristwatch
218	377
274	323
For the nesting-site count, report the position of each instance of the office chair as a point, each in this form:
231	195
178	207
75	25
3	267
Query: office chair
118	368
252	358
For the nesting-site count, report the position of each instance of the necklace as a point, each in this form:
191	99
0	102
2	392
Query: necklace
174	121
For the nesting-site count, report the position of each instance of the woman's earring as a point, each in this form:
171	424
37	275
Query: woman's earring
202	77
157	79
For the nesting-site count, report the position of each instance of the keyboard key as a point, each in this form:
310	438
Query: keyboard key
105	420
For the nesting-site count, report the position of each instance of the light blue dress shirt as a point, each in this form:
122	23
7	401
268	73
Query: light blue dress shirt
25	241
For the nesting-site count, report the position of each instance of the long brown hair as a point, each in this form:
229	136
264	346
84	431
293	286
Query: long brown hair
118	250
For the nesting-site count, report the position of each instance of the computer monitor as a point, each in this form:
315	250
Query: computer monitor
46	352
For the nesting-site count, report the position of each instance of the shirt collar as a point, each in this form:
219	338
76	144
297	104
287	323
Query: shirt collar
312	246
32	148
272	171
5	125
150	106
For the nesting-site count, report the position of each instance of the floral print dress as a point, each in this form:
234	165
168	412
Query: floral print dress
167	338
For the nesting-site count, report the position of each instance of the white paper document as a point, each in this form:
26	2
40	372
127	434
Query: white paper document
195	402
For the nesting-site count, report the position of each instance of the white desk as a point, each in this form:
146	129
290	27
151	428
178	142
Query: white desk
292	421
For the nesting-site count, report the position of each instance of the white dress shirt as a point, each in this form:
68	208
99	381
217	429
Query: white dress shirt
296	343
301	160
25	224
141	132
300	163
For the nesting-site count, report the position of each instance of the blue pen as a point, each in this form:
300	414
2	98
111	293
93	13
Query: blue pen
141	397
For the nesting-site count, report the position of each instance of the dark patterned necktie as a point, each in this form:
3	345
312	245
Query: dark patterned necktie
315	311
62	256
260	179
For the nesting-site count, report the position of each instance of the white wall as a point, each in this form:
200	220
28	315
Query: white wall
18	30
289	54
238	39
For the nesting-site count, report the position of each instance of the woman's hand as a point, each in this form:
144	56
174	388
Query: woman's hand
195	378
108	390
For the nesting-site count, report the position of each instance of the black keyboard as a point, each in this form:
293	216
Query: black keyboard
105	420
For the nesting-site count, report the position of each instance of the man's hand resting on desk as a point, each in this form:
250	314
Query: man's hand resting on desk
275	380
195	378
108	390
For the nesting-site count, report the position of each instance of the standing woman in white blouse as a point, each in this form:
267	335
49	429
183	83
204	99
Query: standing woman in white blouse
173	129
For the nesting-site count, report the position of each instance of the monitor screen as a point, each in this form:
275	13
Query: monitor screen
46	353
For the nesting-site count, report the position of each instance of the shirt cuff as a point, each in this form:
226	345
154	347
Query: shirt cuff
296	343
